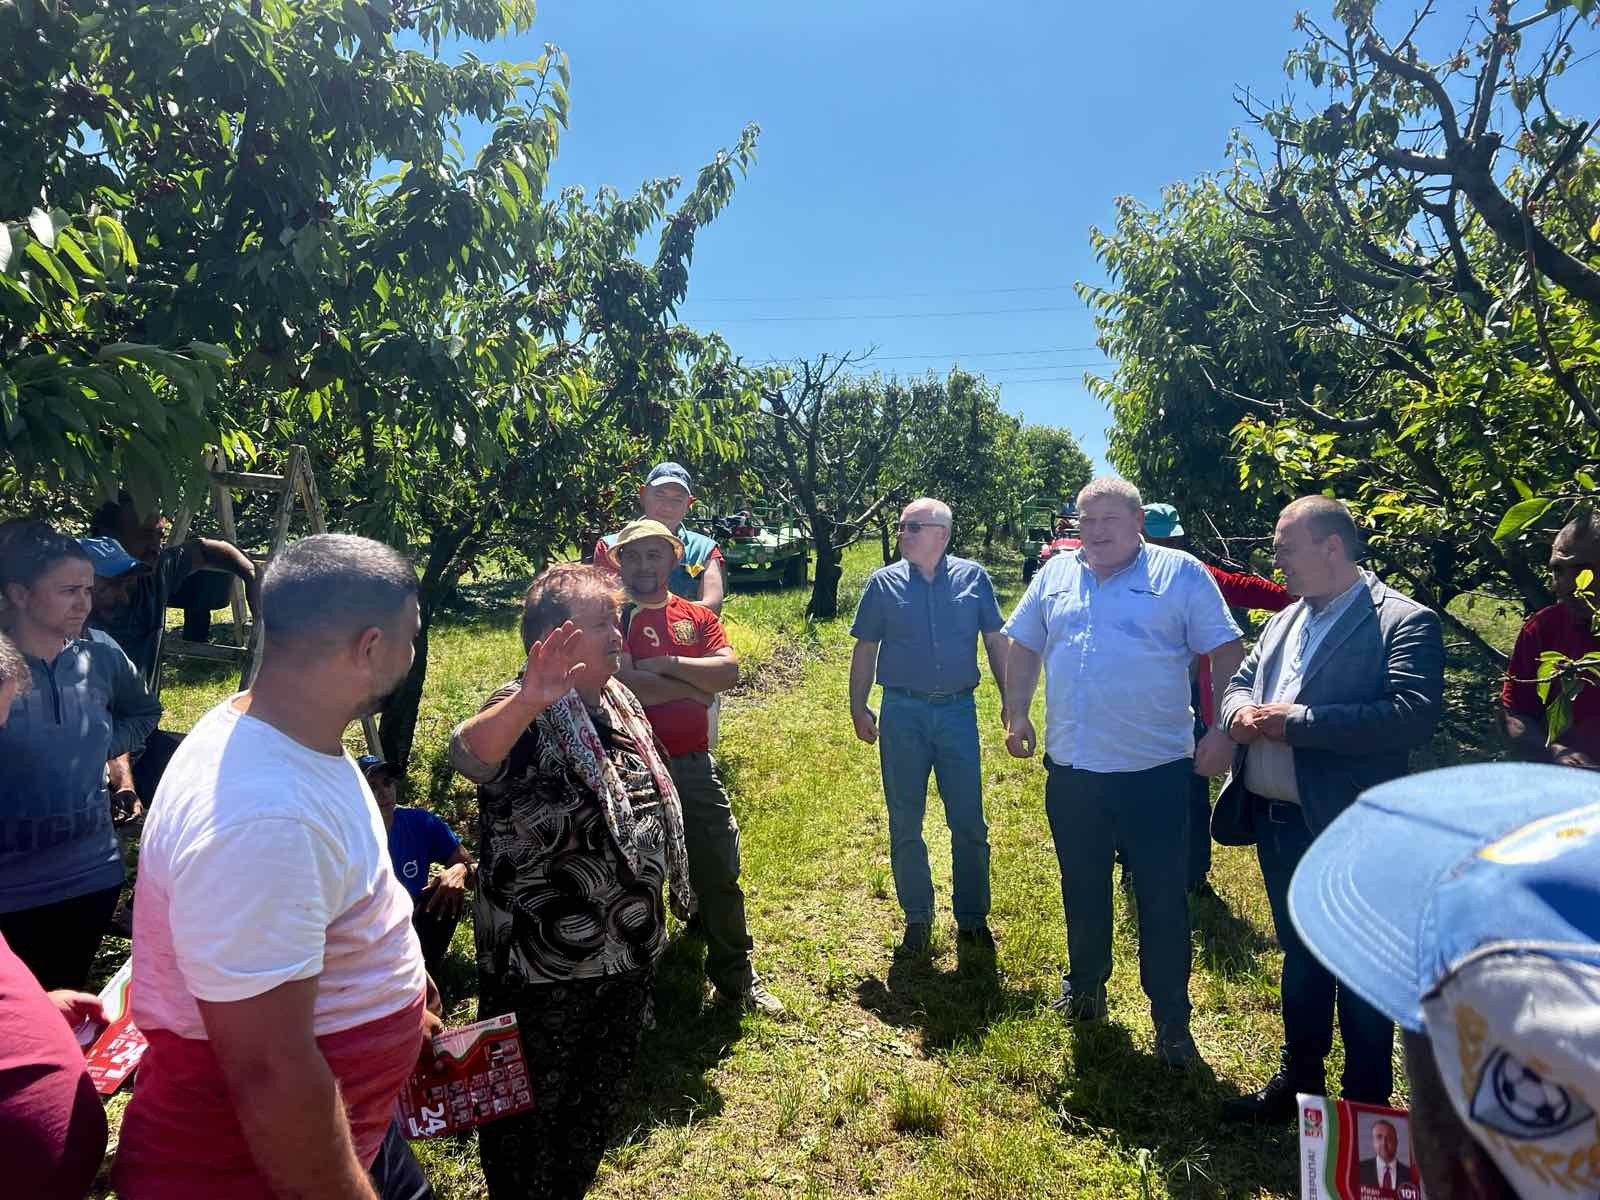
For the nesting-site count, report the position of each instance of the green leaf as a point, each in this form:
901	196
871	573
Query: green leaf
1523	489
42	227
1586	480
68	245
52	268
1557	718
1520	515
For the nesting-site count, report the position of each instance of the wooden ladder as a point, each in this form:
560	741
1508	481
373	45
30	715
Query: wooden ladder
297	483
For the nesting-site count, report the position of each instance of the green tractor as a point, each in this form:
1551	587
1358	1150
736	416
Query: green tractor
763	543
1041	527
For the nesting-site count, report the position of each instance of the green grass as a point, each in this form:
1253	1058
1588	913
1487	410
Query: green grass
913	1080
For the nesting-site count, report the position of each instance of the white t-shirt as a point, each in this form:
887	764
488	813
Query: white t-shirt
264	862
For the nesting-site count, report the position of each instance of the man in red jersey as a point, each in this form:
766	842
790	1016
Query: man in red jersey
678	659
1567	627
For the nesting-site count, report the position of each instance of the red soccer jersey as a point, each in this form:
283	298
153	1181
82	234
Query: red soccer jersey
1554	628
688	630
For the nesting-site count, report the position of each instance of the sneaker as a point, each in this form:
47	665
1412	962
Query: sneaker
915	941
1175	1047
1077	1007
754	998
1273	1104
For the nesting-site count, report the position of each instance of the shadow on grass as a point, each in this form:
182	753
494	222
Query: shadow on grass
1173	1114
1229	945
949	1007
671	1083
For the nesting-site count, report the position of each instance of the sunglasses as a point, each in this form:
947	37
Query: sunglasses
918	526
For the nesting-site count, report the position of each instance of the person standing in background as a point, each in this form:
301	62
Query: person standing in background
666	497
917	629
60	864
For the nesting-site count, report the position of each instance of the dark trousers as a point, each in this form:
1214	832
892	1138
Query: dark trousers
434	932
581	1040
151	765
198	596
1199	831
1310	992
711	837
395	1173
1144	815
58	941
1199	803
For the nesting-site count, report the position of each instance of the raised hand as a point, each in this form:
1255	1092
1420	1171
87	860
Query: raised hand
553	664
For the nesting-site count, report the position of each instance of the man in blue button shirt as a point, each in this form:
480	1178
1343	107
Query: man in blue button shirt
1116	624
917	629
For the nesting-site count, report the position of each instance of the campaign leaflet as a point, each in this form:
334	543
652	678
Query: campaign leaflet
114	1049
479	1074
1352	1151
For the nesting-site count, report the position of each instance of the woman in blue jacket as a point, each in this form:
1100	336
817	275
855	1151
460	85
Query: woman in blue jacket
60	864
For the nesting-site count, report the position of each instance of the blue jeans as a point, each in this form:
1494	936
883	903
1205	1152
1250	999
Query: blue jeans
916	736
1144	815
1310	992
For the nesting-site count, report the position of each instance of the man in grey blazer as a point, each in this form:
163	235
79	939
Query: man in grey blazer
1338	691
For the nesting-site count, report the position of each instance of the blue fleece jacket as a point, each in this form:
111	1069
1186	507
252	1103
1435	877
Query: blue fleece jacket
56	840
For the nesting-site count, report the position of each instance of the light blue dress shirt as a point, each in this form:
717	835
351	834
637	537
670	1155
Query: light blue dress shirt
1281	682
1116	655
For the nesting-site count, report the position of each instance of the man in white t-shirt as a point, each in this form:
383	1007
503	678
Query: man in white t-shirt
276	973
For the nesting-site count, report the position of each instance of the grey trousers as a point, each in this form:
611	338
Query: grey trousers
711	836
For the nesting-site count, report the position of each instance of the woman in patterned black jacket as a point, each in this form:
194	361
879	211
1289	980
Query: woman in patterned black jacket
579	827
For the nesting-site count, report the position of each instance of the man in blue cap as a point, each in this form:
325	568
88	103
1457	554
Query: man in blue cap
702	572
1464	904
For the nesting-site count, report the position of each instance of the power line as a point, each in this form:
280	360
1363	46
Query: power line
986	372
994	353
1058	287
1052	379
971	312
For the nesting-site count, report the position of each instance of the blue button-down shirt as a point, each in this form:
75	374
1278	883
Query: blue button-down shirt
1116	655
927	631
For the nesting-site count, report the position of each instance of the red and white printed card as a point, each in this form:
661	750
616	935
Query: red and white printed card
479	1075
113	1050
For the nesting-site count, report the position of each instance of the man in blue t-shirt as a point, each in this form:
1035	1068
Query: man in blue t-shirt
418	841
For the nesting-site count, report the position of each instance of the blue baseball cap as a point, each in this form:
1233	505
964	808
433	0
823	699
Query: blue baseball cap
669	472
110	560
1464	904
1161	520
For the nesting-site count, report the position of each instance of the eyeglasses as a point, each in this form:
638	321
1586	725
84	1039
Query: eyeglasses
919	526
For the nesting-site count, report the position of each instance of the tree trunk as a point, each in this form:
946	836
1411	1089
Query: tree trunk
883	542
397	722
824	604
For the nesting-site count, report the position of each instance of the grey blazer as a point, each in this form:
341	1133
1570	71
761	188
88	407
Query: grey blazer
1370	695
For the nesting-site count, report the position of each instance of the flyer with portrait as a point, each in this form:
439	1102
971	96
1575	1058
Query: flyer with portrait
1351	1151
113	1050
479	1074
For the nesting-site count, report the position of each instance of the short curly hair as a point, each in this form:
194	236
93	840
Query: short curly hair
13	667
550	597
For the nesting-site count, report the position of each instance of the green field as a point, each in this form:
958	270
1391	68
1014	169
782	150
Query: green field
897	1079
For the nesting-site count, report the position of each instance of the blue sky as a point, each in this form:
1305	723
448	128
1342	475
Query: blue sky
915	159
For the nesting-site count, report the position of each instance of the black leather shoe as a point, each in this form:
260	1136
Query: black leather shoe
1274	1104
